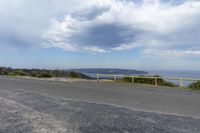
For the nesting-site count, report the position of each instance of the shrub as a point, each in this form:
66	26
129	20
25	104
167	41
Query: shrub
18	73
33	74
44	75
194	86
151	81
73	75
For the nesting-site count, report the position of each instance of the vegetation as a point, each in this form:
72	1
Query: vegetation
41	73
194	86
151	81
73	74
44	75
18	73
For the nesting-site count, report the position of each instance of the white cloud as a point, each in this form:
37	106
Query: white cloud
170	54
150	24
102	25
23	22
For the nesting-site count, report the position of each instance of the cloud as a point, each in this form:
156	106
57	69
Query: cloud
89	14
102	25
122	24
171	54
23	22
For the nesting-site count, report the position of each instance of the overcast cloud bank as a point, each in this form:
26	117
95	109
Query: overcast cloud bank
155	27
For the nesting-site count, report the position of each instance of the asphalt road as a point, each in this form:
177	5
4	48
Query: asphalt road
88	107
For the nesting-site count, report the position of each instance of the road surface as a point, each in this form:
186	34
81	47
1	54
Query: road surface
28	105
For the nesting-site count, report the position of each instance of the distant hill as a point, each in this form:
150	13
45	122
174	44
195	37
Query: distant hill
41	73
86	73
109	71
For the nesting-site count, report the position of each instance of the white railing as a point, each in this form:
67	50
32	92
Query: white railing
147	77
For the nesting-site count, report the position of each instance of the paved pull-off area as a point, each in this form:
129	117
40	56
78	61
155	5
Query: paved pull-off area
33	106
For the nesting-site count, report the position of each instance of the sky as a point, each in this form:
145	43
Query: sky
133	34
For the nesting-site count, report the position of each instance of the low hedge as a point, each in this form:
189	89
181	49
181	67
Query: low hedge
44	75
194	86
151	81
18	73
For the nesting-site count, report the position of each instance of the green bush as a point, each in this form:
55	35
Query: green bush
139	80
18	73
151	81
34	74
73	75
194	86
44	75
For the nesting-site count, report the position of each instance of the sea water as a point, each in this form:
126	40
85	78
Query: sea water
178	74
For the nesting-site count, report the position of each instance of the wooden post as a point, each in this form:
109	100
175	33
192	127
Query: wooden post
115	78
156	83
181	82
97	78
132	79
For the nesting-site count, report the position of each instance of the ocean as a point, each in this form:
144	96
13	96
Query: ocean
178	74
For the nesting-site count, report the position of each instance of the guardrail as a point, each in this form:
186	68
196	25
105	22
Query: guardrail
146	77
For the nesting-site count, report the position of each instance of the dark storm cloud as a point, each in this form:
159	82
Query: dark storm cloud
105	36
